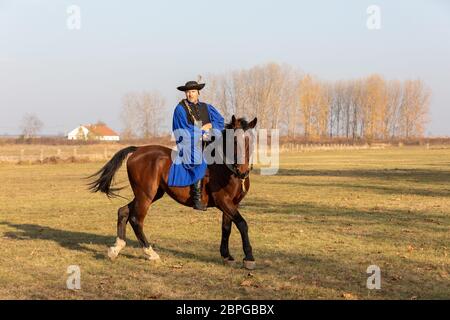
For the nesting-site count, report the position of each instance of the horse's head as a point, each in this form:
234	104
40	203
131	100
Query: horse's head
241	130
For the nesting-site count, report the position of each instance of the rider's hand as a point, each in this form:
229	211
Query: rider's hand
206	135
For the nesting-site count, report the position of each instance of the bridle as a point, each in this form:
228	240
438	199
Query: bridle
235	170
241	175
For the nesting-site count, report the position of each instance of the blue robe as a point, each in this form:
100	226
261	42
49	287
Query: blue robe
193	165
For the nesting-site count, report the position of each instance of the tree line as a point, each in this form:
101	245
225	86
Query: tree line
299	104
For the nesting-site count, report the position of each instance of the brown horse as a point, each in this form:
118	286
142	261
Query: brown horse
223	187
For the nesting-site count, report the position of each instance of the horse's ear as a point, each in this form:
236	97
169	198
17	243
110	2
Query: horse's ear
252	123
233	121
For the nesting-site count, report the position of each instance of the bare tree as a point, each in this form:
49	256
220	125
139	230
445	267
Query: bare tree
129	115
374	107
414	108
30	125
290	102
218	92
394	92
340	109
142	113
315	100
356	104
150	113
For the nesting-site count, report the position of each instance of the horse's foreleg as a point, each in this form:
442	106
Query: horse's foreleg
226	231
241	224
229	208
122	219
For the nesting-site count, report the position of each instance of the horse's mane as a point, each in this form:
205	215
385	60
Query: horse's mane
243	122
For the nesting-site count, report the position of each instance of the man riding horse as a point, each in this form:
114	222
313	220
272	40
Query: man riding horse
152	173
196	119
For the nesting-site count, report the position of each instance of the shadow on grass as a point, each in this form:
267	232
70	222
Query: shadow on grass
375	188
309	270
78	241
407	175
341	216
73	240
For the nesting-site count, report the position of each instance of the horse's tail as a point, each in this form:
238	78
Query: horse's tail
106	174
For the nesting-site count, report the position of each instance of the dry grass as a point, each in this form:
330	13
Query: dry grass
315	228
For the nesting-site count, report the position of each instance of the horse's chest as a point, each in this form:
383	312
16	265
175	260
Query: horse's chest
232	187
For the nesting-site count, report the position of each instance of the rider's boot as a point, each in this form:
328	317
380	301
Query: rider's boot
196	193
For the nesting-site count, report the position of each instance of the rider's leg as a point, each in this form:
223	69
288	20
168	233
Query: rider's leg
196	193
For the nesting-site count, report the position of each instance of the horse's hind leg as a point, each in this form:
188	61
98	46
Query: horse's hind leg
226	231
122	219
137	216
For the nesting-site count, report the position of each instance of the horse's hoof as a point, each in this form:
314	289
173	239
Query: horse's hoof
228	261
154	257
249	265
112	253
151	254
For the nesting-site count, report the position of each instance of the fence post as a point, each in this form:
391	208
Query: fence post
58	153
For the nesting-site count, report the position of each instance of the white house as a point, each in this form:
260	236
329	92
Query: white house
97	131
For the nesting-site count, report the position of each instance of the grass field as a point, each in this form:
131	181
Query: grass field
315	228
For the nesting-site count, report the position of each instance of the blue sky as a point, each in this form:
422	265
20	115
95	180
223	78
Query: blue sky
68	77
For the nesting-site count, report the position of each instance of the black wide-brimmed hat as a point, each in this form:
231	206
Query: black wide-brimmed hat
191	85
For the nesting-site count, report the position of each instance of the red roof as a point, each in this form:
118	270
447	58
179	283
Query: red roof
101	130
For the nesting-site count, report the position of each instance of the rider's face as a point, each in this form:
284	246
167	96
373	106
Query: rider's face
192	95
